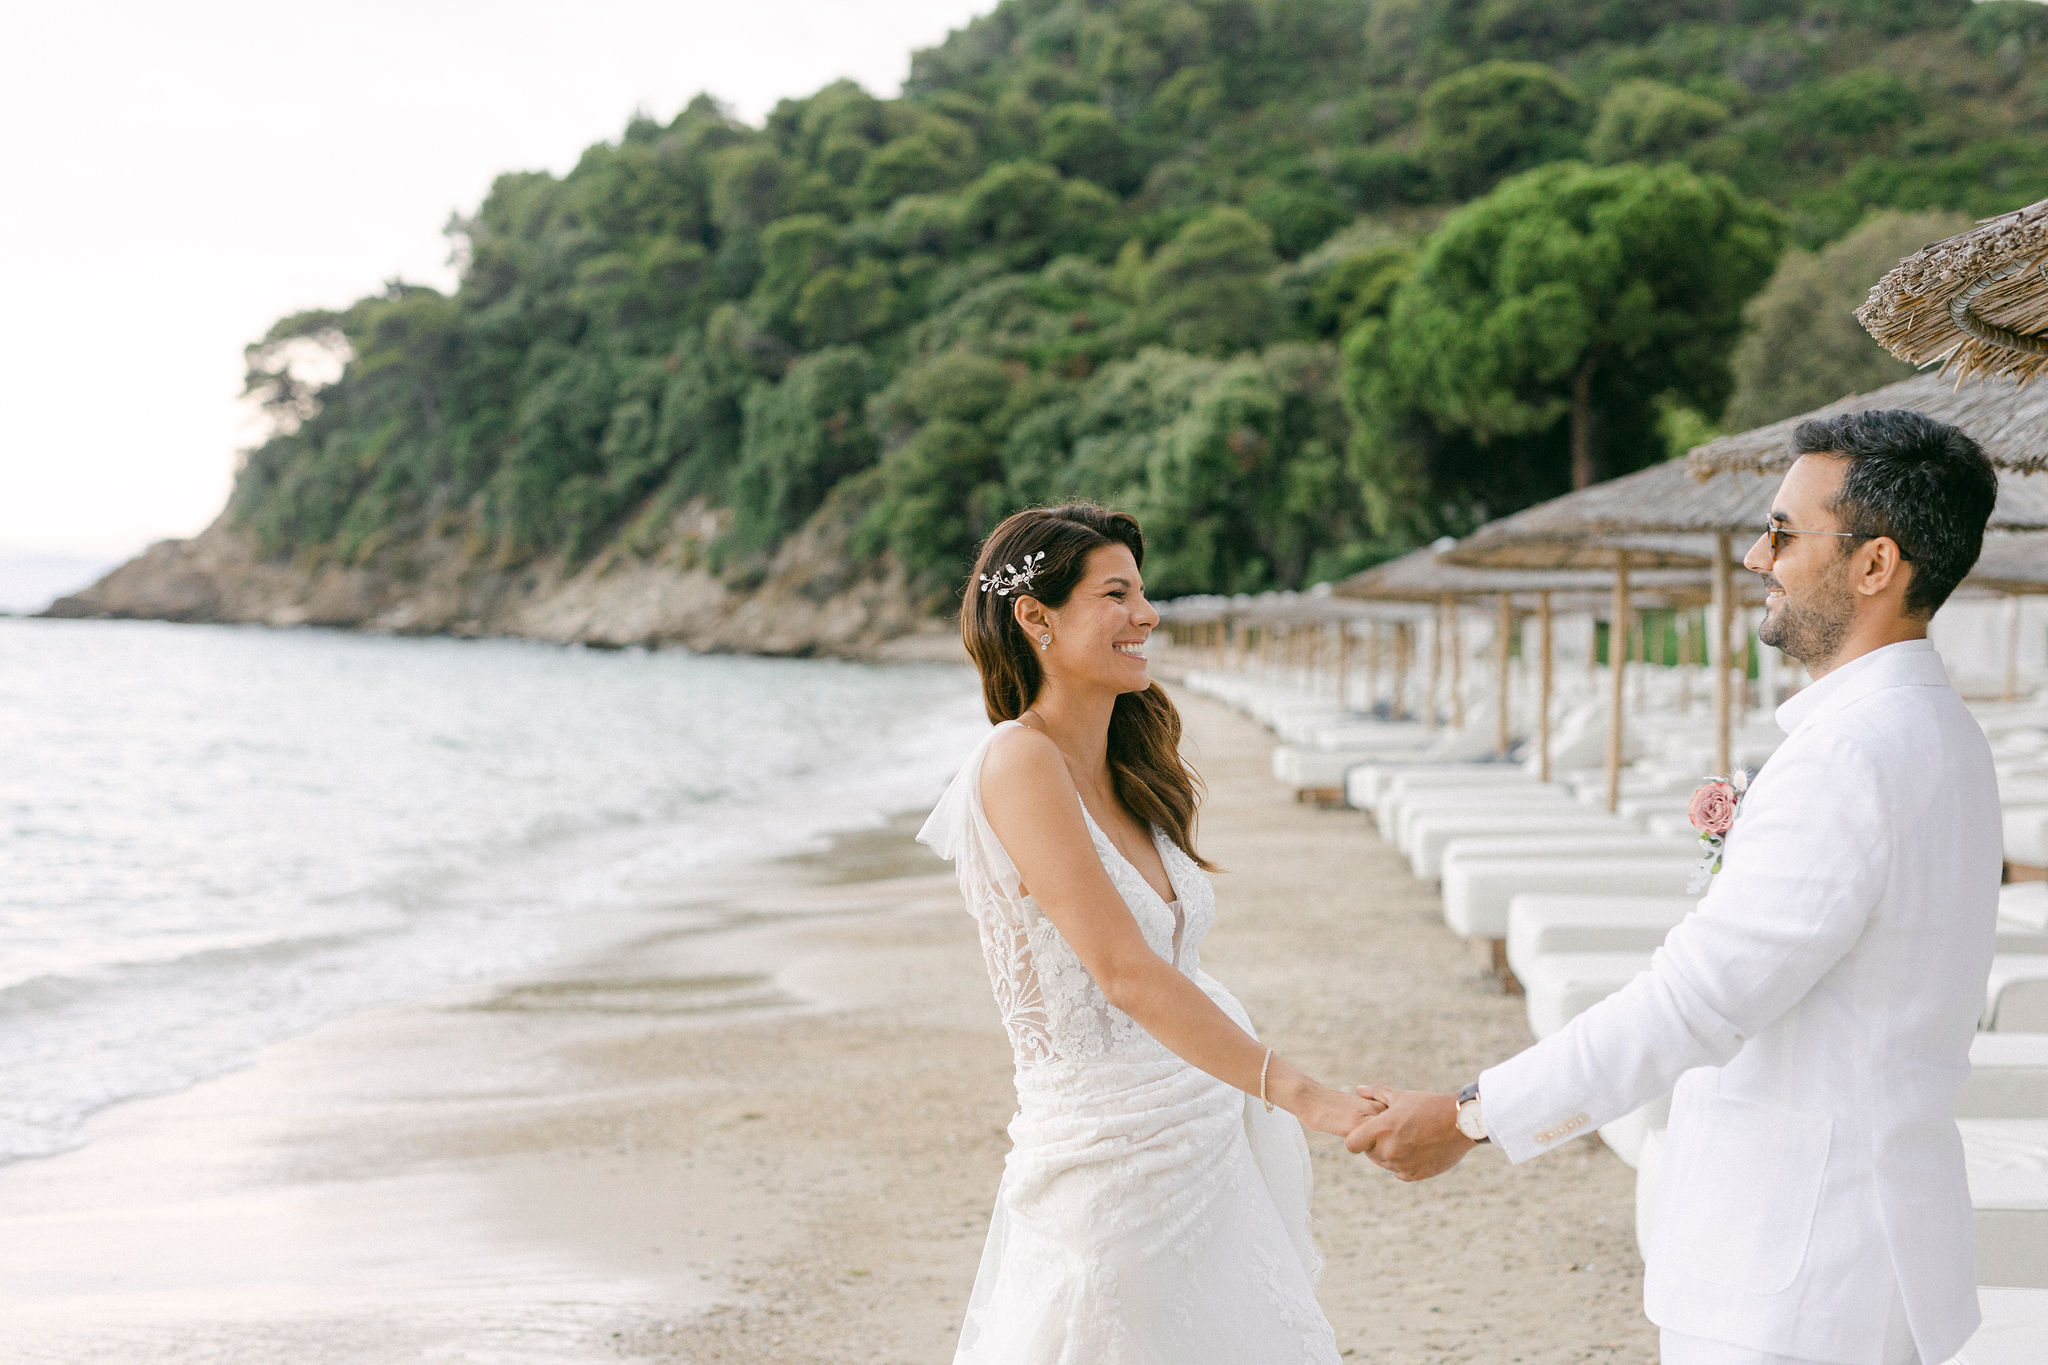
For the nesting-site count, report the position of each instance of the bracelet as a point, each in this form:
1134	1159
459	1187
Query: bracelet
1262	1080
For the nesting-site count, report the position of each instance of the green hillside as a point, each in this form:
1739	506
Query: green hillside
1298	281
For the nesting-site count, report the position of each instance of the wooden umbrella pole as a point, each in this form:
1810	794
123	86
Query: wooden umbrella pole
1457	666
1543	692
1344	663
1748	663
1683	624
1503	629
1436	665
1403	654
1372	665
1617	657
1717	649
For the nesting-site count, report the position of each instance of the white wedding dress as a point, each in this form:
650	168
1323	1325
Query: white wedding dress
1149	1214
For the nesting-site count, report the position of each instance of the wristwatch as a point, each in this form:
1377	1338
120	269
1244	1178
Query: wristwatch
1471	1121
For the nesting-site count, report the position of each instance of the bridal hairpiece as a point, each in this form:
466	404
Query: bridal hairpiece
1013	579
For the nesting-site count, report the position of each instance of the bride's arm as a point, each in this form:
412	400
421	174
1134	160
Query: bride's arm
1032	806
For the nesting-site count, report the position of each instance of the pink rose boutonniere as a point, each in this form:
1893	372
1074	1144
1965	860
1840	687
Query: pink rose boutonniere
1712	812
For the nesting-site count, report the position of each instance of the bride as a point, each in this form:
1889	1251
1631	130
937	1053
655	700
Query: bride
1154	1205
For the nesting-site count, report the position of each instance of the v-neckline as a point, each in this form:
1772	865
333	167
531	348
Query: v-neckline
1174	907
1168	901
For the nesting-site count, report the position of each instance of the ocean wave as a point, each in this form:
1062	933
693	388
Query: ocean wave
227	836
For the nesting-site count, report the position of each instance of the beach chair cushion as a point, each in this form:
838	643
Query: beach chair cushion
2015	1326
2008	1077
1477	890
2007	1161
1538	831
2016	996
1396	812
1547	922
2026	834
1560	986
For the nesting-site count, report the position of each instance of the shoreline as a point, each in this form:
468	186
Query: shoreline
647	1152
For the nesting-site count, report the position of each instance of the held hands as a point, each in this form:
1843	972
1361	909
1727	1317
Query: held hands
1337	1112
1415	1135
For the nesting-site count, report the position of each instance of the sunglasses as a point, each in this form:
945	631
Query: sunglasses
1777	536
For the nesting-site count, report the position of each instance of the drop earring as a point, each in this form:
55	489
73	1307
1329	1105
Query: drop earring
1045	641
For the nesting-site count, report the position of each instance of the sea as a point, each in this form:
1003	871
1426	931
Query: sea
216	837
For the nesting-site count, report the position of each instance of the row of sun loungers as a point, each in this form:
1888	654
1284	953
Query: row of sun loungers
1567	901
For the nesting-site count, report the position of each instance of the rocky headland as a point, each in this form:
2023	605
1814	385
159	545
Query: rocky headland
805	601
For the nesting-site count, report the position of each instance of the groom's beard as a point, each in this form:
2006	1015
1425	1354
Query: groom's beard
1812	631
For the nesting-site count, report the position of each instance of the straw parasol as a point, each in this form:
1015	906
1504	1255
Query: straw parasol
1428	576
1977	302
1653	517
2009	420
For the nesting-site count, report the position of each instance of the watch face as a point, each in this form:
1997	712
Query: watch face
1470	1122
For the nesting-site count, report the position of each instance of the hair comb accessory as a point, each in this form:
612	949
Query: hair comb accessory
1013	579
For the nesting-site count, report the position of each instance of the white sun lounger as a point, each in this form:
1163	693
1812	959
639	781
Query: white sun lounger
1316	770
1560	986
2007	1161
1644	809
1476	890
2015	1326
1431	832
1627	844
1546	922
2016	996
2024	906
2026	834
1368	784
1356	733
2023	917
1397	811
2008	1077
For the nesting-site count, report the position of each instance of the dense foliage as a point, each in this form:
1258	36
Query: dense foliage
1296	281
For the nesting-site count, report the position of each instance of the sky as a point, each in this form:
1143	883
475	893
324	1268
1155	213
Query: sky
179	176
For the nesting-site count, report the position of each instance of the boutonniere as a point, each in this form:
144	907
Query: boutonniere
1712	812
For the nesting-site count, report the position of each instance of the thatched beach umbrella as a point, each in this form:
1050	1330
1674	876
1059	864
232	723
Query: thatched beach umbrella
2008	419
1723	492
1976	302
1431	575
1660	516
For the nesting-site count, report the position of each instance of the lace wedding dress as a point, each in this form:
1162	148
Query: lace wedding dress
1149	1214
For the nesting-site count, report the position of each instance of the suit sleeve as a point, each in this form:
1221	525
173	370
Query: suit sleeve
1803	867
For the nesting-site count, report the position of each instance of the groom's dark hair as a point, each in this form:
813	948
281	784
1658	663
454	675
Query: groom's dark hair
1920	482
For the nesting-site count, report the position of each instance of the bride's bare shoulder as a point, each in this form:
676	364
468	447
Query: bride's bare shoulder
1023	771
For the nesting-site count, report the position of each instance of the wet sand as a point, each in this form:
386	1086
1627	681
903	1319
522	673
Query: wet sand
765	1123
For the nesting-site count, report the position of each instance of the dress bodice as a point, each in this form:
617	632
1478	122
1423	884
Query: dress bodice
1052	1009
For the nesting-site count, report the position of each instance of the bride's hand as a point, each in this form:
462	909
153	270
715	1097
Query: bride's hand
1337	1112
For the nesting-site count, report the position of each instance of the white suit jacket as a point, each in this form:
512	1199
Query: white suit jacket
1815	1012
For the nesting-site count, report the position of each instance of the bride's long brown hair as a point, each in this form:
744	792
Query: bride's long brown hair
1151	778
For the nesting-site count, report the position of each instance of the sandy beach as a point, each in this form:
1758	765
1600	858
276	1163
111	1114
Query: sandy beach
765	1123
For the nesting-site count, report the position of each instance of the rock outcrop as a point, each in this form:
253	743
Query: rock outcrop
806	602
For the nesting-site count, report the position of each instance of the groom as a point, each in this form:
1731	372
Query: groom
1815	1010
